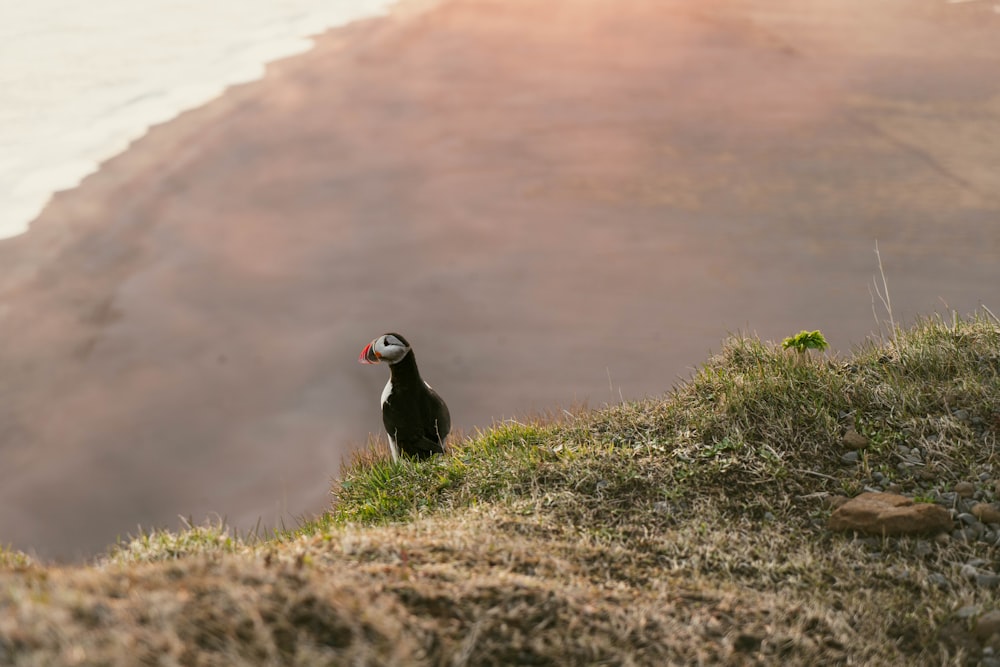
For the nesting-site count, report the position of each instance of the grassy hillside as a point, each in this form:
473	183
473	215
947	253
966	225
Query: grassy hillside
683	529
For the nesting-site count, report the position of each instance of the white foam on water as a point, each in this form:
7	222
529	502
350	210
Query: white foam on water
79	81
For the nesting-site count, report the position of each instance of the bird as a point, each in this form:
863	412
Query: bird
416	419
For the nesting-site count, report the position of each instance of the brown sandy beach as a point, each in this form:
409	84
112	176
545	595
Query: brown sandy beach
556	202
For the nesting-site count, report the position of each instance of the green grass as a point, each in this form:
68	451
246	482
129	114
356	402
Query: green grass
679	529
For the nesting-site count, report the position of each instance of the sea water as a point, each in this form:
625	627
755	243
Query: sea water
79	81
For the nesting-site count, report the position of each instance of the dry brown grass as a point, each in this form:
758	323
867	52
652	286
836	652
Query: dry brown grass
682	530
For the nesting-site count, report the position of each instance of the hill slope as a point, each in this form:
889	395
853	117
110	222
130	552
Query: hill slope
683	529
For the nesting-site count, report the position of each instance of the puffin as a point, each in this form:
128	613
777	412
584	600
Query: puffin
415	418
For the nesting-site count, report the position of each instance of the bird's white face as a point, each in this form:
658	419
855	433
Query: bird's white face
389	348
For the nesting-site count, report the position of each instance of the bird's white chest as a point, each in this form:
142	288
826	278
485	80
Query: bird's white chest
386	392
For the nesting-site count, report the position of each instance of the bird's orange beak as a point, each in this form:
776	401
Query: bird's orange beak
369	355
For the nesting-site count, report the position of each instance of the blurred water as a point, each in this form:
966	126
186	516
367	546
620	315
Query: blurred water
80	80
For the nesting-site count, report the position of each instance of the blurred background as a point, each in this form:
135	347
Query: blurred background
559	204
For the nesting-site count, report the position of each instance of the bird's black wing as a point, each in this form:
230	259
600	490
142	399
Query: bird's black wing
438	419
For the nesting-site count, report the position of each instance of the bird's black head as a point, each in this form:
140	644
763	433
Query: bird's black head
390	348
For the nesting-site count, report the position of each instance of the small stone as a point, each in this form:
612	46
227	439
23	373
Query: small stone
662	506
602	484
948	498
937	579
849	457
942	538
985	476
768	516
903	450
967	612
968	534
989	537
889	514
965	489
988	580
986	512
853	440
968	572
987	625
923	548
968	519
961	415
894	488
878	477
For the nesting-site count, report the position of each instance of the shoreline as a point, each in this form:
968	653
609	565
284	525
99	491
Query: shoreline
126	100
556	205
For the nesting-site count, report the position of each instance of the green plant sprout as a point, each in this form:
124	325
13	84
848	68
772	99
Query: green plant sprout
806	340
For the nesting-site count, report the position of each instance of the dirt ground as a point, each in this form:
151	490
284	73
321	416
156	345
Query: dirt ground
560	202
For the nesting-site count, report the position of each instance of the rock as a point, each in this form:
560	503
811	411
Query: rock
849	457
968	519
937	579
965	489
853	440
889	514
969	572
662	506
968	534
988	625
923	548
948	499
942	538
986	512
988	580
967	612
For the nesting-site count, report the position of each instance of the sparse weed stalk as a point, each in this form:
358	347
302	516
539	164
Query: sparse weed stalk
11	559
